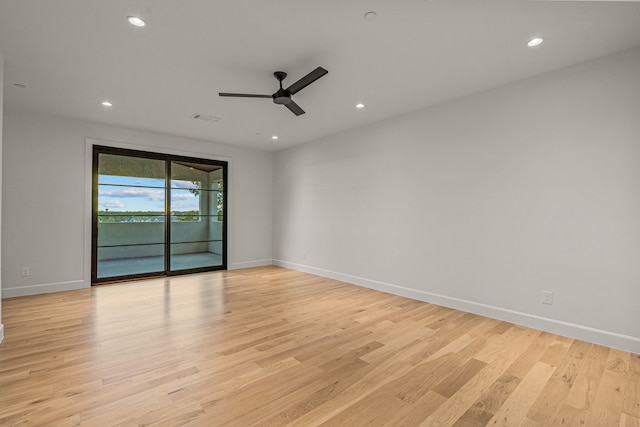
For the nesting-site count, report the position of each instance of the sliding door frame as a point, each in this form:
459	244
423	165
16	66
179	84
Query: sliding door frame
168	158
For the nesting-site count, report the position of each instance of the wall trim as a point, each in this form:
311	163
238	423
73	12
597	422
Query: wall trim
250	264
572	330
44	288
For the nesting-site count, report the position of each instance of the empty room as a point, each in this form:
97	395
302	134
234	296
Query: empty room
336	213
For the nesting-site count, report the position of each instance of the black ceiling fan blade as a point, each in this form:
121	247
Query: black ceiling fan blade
306	80
295	108
244	95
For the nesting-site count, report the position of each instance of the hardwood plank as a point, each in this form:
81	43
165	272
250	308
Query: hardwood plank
501	328
607	405
458	378
585	386
631	402
555	353
536	351
513	411
369	412
546	407
619	361
488	404
634	363
629	421
528	422
420	410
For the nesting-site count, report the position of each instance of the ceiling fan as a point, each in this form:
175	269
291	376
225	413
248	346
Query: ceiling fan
283	96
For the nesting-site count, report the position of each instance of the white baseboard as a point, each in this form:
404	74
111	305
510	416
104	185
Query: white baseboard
581	332
1	332
249	264
44	288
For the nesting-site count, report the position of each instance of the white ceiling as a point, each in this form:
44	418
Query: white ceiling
72	54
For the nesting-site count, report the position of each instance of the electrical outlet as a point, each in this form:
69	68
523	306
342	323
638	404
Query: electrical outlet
547	297
25	271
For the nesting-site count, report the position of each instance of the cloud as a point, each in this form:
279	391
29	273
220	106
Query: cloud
182	206
148	193
176	197
112	204
143	199
182	184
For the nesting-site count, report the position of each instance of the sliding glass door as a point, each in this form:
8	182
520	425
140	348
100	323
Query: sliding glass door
156	214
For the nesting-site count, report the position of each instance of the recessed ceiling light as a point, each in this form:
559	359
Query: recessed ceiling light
107	104
361	105
536	41
134	20
274	137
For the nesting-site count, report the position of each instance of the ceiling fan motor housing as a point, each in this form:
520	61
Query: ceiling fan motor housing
282	97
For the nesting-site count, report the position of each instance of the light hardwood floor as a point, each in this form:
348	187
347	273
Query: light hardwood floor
269	346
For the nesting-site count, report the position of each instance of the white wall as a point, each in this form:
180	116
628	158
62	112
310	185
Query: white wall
483	203
47	210
1	132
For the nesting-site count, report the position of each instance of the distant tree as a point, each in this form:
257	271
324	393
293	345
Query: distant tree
220	201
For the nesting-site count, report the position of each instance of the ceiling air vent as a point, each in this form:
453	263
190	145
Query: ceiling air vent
206	118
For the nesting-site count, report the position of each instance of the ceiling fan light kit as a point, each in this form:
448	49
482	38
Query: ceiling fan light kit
283	96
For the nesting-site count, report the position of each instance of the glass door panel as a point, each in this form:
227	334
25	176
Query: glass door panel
131	193
196	226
